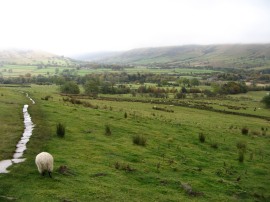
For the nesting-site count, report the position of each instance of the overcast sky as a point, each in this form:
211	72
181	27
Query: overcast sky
74	26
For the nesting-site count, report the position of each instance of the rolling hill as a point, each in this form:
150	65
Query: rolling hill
227	55
32	57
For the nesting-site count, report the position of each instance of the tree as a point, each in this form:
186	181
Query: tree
194	82
70	87
91	87
266	100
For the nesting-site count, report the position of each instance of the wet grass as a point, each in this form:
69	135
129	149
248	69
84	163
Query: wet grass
110	167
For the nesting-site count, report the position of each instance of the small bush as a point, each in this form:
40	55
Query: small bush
139	140
108	130
241	156
60	130
202	137
244	130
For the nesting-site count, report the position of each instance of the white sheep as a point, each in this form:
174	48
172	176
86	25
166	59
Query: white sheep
44	162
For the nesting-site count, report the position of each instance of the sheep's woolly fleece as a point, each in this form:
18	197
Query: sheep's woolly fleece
44	162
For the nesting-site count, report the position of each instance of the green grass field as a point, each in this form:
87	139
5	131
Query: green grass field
111	168
20	70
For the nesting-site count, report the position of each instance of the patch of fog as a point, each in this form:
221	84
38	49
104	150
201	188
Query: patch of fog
21	145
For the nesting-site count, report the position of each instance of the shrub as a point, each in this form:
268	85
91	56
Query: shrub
244	130
139	140
266	100
60	130
202	137
70	87
108	130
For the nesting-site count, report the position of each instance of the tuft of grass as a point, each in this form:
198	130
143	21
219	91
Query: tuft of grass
244	131
202	137
241	146
241	156
139	140
60	130
214	145
125	115
108	130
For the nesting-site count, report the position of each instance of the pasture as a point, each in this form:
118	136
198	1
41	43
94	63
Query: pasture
102	167
21	70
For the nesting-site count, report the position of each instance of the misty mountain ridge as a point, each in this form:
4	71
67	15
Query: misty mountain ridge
223	55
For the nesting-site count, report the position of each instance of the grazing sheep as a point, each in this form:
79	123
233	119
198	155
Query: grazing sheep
44	162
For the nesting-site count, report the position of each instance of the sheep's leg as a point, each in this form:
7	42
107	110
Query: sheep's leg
50	174
43	173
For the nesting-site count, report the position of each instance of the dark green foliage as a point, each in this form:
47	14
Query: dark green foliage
60	130
266	101
139	140
244	130
70	87
233	88
202	137
108	130
125	115
180	95
91	87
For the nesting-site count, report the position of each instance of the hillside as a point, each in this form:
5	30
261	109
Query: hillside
233	55
31	57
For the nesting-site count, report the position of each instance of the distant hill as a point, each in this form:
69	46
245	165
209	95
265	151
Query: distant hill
32	57
231	55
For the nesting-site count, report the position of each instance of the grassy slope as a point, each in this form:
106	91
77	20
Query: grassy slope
235	55
11	120
31	57
172	142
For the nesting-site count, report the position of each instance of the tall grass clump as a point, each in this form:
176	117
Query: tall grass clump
241	156
139	140
60	130
108	130
242	147
202	137
244	130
